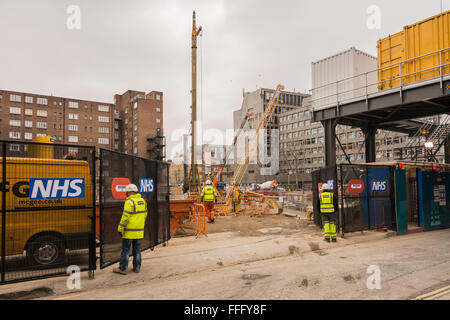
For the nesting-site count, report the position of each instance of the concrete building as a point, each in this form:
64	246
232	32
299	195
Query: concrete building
23	116
302	148
256	103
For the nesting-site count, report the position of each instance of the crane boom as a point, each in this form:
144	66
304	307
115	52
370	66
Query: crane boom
219	172
254	141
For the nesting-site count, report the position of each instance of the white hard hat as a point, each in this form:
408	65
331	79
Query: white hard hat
325	186
208	182
131	187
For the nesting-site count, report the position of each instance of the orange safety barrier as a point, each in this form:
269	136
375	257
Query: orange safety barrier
180	211
185	214
197	221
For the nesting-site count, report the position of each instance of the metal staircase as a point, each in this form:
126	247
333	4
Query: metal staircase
442	131
433	130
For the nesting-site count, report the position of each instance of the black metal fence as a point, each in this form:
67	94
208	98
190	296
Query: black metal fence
152	178
365	194
367	197
48	210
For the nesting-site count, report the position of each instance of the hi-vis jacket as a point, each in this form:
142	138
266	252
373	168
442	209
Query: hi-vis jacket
327	202
133	218
209	194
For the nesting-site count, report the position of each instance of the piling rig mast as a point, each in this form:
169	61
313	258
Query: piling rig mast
194	184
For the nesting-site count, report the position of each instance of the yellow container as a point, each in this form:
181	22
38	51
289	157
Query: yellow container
39	151
421	38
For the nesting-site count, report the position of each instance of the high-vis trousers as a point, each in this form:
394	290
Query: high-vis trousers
329	225
209	207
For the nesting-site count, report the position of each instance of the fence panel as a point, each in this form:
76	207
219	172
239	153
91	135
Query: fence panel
368	199
48	210
152	177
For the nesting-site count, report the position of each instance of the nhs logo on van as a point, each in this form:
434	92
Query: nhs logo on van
147	185
379	185
56	188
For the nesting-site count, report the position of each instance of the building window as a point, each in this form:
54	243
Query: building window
73	116
103	119
158	110
41	113
28	99
73	138
14	147
135	150
14	135
135	128
135	116
73	104
28	124
41	125
14	123
158	120
158	97
42	101
135	105
103	129
28	136
103	108
73	127
15	98
126	121
135	139
103	140
126	110
126	142
15	110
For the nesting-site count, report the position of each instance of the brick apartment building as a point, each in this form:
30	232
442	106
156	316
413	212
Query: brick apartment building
138	118
24	116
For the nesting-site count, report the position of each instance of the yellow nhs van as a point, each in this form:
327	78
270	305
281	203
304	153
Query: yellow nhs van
49	206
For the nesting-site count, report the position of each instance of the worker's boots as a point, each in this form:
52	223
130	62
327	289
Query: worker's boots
334	240
120	271
327	239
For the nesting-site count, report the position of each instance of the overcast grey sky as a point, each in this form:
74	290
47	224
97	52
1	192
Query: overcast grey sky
145	45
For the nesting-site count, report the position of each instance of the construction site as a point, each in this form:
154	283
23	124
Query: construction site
250	220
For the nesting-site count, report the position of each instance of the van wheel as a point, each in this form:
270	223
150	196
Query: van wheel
46	250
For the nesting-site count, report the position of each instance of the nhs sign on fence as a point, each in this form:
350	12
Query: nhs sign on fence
56	188
147	185
379	185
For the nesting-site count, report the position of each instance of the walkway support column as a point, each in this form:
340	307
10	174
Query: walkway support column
330	142
370	133
447	150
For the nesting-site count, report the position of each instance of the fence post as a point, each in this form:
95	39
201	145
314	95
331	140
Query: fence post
440	69
100	205
92	237
3	211
341	209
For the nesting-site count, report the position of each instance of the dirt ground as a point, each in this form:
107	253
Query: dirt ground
256	225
